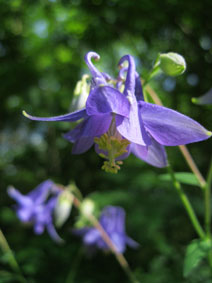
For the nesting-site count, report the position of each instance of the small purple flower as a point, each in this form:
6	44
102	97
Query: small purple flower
37	207
112	220
123	123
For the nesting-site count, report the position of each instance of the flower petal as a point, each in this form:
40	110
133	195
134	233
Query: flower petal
154	155
169	127
25	213
41	192
130	242
91	237
118	241
19	198
70	117
106	99
75	134
113	219
39	228
130	79
132	128
138	88
53	234
93	126
98	77
82	145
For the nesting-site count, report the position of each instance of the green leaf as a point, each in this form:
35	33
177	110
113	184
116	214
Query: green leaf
182	177
196	251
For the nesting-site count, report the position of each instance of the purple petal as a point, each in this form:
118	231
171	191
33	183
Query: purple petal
138	88
18	197
112	219
132	128
41	192
80	231
106	76
92	127
107	99
130	242
97	75
38	228
53	234
25	213
118	241
82	145
130	79
154	155
169	127
121	75
76	133
91	237
70	117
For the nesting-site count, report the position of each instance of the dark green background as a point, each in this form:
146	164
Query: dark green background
42	45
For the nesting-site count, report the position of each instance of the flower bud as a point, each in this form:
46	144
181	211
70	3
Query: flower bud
63	207
81	93
87	207
172	64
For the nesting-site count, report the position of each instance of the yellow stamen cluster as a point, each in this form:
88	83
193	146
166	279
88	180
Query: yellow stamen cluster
113	146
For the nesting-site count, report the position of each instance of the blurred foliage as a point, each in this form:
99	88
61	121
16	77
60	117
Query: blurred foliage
42	44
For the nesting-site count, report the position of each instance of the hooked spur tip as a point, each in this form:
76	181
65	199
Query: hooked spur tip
194	100
209	133
25	114
92	54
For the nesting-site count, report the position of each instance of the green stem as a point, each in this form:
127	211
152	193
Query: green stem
11	258
206	187
207	192
119	256
187	204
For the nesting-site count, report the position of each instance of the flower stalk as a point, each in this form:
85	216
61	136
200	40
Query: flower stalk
187	204
208	203
119	256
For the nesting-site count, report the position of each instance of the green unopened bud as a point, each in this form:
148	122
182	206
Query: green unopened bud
172	64
81	93
63	207
87	207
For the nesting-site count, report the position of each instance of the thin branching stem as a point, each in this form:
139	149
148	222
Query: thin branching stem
208	202
185	152
187	204
120	258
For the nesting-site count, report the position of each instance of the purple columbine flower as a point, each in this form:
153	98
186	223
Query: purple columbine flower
123	123
37	207
112	220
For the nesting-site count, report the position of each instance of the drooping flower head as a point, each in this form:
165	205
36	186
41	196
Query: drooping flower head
120	123
112	220
37	207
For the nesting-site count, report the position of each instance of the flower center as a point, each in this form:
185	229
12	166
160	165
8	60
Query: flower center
111	146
